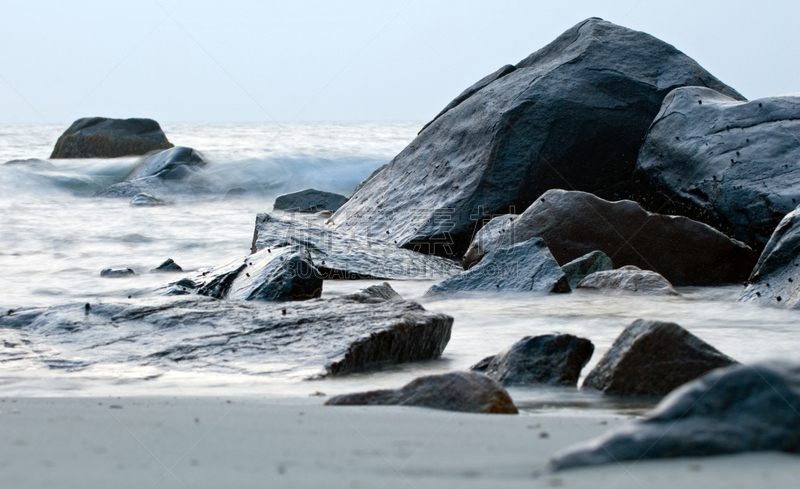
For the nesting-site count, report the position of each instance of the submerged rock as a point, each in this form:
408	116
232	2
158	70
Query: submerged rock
628	279
745	408
168	266
524	267
147	200
726	162
572	224
309	200
116	272
99	137
160	173
553	359
466	392
580	268
651	358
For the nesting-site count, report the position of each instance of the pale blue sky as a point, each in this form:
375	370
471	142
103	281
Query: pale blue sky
247	60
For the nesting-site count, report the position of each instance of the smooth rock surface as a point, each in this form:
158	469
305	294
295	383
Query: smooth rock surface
161	173
571	115
168	265
116	272
579	268
628	279
100	137
146	200
572	224
651	358
719	160
466	392
309	200
522	267
744	408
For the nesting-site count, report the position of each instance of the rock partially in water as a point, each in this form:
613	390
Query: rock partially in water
168	266
746	408
373	294
553	359
466	392
726	162
651	358
290	339
99	137
309	200
147	200
116	272
580	268
524	267
340	255
572	224
628	279
161	173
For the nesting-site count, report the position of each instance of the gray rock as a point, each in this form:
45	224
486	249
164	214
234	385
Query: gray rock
651	358
572	114
339	255
161	173
553	359
373	294
147	200
523	267
628	279
719	160
309	200
99	137
572	224
168	266
289	340
579	268
116	272
745	408
489	237
776	277
466	392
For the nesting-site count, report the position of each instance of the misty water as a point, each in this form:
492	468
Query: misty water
55	238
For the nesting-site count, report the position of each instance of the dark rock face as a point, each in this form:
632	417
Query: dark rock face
146	200
524	267
340	255
490	236
572	114
745	408
116	272
719	160
776	277
554	359
168	266
579	268
99	137
466	392
572	224
309	200
159	173
374	293
651	358
628	279
290	339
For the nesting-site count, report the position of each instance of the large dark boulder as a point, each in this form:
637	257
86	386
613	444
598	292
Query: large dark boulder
466	392
722	161
628	279
160	173
651	358
571	115
309	200
575	223
99	137
746	408
553	359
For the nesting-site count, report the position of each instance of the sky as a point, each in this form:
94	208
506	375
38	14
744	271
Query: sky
314	60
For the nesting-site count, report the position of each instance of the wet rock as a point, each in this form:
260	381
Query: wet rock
492	233
168	266
684	251
309	200
776	276
553	359
628	279
572	114
719	160
291	340
579	268
161	173
339	255
99	137
147	200
745	408
373	294
651	358
467	392
524	267
116	272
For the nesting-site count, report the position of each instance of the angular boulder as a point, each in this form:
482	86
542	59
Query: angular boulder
580	268
572	224
374	293
722	161
572	114
628	279
100	137
745	408
466	392
522	267
168	265
651	358
159	173
553	359
309	200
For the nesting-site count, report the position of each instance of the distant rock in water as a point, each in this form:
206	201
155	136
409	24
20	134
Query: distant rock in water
628	279
99	137
746	408
168	266
159	173
309	200
466	392
116	272
580	268
146	200
572	114
726	162
651	358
